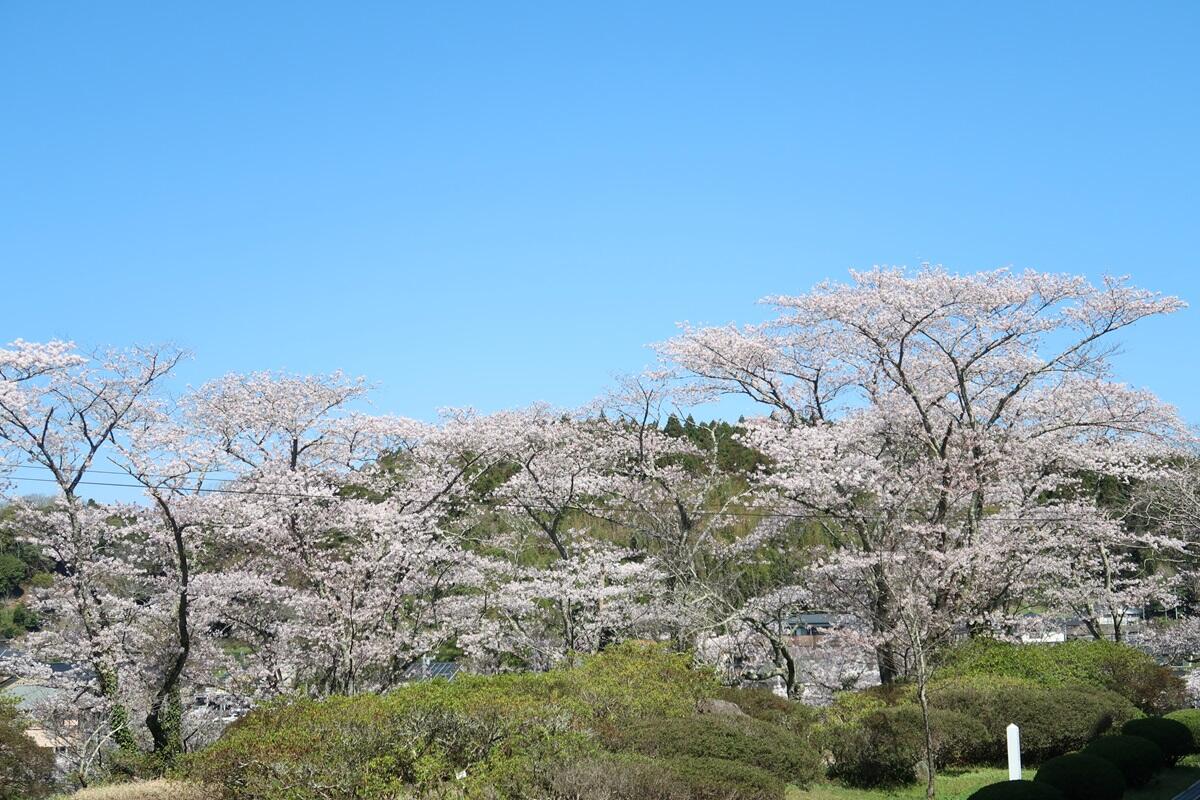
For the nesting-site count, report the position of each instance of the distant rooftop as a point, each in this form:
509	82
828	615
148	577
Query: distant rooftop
431	669
29	695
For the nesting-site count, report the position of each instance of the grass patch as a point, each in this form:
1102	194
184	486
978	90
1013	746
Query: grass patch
959	784
951	785
1169	782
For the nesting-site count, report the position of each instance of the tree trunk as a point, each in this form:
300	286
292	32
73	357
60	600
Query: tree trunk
165	720
885	658
930	761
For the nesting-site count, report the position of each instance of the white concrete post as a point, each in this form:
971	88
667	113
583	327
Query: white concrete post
1014	753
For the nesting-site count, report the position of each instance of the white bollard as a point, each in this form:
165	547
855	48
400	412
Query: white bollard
1014	753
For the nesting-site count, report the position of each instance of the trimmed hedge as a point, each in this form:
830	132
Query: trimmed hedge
1171	736
1017	790
1053	720
1100	664
742	739
1190	717
1136	757
884	747
1080	776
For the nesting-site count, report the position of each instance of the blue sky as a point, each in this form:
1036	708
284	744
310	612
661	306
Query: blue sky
492	204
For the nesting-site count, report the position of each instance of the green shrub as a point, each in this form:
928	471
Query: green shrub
1080	776
631	681
26	770
1137	758
765	705
1190	717
884	747
12	571
742	739
1054	720
635	777
848	708
1017	790
369	746
1172	736
1100	664
718	779
503	730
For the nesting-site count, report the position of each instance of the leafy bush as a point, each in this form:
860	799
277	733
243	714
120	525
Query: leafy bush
1053	720
12	571
742	739
1137	758
637	777
632	681
26	770
1172	736
718	779
504	730
1190	717
1100	664
370	746
885	746
1017	790
765	705
1081	776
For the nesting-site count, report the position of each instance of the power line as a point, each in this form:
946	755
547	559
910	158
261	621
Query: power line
667	507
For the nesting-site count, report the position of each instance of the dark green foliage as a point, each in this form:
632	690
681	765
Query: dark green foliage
636	777
732	456
742	739
26	771
1190	717
1081	776
1099	664
1017	790
12	571
16	620
884	747
18	560
1054	720
1172	736
1137	758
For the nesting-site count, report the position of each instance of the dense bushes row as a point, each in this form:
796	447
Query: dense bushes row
1190	718
745	740
1098	664
877	738
1105	767
618	725
624	724
1171	736
884	747
1053	720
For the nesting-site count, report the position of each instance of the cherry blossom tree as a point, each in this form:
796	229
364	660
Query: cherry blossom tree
345	573
58	409
928	401
175	468
561	578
